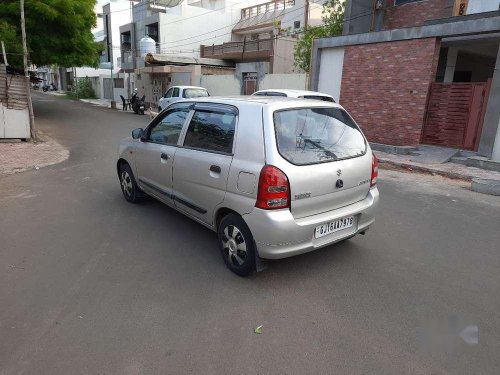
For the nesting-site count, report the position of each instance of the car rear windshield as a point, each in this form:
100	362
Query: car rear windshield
195	93
317	135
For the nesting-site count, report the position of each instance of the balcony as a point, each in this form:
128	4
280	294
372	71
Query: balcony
262	16
252	50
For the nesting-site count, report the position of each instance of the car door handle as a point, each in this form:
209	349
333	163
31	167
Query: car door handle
215	169
164	156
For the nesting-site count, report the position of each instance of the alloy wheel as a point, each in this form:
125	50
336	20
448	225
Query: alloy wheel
234	246
126	182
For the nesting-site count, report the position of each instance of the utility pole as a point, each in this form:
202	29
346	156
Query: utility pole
27	75
4	54
306	15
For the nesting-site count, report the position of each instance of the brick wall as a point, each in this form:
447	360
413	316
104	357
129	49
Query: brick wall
385	86
415	14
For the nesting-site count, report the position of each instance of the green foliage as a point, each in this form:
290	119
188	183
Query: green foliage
8	35
58	32
333	20
83	89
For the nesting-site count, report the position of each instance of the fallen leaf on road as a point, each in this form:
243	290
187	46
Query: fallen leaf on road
258	330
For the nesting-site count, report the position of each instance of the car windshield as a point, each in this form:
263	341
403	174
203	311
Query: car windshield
195	93
316	135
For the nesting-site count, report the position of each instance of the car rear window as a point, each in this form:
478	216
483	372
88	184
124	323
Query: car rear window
195	93
316	135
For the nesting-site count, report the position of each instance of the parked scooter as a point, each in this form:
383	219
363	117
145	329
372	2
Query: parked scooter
50	87
138	105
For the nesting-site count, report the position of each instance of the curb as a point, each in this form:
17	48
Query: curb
412	167
485	186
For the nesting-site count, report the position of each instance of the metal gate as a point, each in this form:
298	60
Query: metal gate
108	88
455	114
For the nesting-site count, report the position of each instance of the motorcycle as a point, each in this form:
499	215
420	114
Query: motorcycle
138	105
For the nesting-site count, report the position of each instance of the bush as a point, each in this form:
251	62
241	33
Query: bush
83	89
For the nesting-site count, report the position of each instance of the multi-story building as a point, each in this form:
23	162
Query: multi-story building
263	39
177	28
415	72
195	38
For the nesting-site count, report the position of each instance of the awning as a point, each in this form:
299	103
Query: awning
164	59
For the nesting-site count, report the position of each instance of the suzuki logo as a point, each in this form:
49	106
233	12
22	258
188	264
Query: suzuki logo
339	172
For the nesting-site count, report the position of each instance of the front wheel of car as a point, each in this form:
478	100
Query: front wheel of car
159	109
236	245
130	190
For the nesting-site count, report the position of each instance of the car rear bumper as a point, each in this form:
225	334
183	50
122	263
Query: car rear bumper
278	234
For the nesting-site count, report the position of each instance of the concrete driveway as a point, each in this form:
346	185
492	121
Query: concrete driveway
90	284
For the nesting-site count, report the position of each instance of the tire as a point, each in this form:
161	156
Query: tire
130	190
141	111
236	245
159	109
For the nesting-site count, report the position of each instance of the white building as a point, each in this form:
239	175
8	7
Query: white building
208	37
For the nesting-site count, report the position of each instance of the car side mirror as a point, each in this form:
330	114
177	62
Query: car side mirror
137	133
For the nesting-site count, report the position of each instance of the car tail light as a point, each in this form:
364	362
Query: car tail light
274	189
373	179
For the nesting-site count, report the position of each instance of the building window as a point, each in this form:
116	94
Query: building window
152	31
119	84
401	2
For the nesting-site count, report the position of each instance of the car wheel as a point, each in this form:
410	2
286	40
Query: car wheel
236	245
159	109
141	111
130	190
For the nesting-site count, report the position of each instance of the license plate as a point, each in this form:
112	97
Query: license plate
333	226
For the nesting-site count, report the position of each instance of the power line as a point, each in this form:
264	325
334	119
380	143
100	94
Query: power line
221	28
173	47
198	41
291	11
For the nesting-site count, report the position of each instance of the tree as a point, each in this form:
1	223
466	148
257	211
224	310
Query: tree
59	32
333	20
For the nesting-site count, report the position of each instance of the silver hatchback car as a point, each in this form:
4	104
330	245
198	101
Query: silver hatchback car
274	177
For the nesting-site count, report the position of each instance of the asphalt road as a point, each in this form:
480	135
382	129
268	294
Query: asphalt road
90	284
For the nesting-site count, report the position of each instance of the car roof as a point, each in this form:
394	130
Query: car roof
296	93
275	101
189	87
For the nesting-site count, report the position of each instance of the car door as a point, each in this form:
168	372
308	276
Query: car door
156	152
165	100
201	165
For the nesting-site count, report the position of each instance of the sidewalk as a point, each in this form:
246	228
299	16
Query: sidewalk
99	102
22	156
450	170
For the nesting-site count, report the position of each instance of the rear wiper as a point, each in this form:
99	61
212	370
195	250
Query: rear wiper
318	146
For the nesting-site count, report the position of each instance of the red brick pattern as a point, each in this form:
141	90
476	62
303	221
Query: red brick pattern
385	87
415	14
